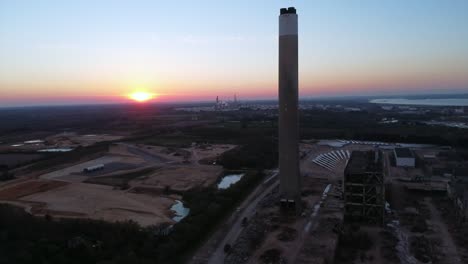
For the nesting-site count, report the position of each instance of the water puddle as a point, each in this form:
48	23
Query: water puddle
180	210
56	150
35	141
229	180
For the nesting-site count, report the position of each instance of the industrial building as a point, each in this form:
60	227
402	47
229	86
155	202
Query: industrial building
404	157
363	187
221	105
290	179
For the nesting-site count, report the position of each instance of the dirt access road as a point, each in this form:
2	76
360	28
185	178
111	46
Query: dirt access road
449	247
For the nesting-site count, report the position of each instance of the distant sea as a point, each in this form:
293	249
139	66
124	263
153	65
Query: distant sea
433	102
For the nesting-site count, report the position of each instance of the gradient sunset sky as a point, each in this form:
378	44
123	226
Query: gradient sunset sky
99	51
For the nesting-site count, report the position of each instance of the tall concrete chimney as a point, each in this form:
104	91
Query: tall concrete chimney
290	180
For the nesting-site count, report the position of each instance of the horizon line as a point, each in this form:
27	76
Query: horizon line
304	98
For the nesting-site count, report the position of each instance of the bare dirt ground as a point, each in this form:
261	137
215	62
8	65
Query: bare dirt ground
61	140
63	173
70	139
124	157
322	237
194	154
207	153
62	199
288	234
180	178
29	187
456	228
428	237
14	159
146	170
103	202
448	245
421	235
421	222
272	236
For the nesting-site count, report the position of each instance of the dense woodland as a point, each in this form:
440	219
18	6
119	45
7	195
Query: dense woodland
150	121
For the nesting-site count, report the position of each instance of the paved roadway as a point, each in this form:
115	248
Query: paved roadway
246	210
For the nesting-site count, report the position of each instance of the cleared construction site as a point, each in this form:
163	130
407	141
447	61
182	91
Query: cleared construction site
134	182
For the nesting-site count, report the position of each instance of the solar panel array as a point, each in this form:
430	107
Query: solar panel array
331	159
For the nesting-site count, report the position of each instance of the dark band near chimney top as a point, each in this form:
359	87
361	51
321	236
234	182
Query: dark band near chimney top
290	10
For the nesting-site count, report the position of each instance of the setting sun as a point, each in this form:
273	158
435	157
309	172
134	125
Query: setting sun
141	96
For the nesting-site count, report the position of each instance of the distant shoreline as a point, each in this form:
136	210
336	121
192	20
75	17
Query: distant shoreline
270	100
425	102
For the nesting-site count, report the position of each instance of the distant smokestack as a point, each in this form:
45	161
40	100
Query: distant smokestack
290	180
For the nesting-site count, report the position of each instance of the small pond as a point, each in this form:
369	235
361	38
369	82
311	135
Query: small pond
229	180
180	211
